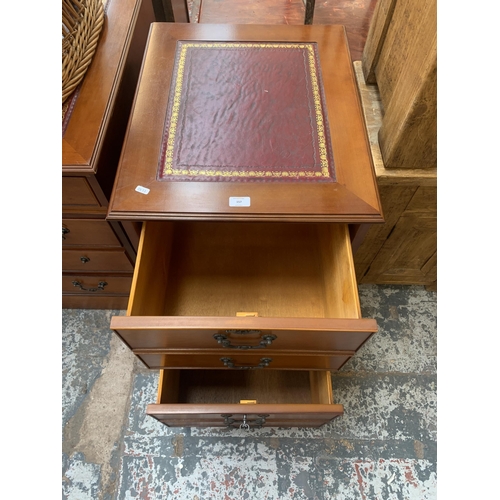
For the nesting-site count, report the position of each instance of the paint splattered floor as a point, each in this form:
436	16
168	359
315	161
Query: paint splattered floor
383	448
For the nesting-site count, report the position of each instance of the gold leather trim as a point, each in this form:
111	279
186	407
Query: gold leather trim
169	170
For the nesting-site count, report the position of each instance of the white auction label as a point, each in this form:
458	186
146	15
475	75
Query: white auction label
142	189
239	201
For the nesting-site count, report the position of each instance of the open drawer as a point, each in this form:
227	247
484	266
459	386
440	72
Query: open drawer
205	292
273	398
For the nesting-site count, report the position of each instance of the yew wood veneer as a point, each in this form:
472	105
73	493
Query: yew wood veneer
245	310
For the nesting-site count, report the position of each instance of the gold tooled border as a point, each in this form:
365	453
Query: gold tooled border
169	152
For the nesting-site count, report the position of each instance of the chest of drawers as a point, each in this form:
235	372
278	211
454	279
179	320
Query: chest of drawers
97	255
244	308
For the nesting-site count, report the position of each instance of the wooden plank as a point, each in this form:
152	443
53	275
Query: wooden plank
410	40
180	10
321	387
424	201
291	334
408	256
307	410
286	415
149	284
394	200
255	12
94	302
408	135
118	56
194	360
354	16
168	386
406	75
341	289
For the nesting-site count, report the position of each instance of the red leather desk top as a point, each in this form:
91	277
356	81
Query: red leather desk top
246	112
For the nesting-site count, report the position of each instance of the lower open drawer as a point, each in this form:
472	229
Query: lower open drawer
247	398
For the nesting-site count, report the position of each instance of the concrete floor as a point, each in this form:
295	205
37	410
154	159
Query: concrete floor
383	448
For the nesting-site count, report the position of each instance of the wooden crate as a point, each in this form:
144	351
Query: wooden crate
400	56
403	250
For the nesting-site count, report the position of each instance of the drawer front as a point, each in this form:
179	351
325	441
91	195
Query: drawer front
96	284
85	232
88	260
240	416
212	398
118	302
298	278
77	191
271	360
243	333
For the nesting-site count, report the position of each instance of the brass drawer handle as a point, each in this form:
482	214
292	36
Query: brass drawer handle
245	424
100	286
84	260
264	342
230	364
65	231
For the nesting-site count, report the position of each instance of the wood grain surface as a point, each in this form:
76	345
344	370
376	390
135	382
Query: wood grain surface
221	268
401	56
204	398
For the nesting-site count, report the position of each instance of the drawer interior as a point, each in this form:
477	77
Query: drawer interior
264	386
214	399
224	268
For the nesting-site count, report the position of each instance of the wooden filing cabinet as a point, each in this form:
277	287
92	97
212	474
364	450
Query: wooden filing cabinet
194	278
98	256
244	309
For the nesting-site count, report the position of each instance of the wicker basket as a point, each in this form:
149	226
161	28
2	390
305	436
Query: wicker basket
82	21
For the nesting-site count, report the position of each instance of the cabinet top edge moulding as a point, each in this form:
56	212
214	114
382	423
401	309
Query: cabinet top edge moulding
141	193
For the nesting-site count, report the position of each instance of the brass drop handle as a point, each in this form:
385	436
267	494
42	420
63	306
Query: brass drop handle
100	286
65	231
244	423
264	362
265	340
